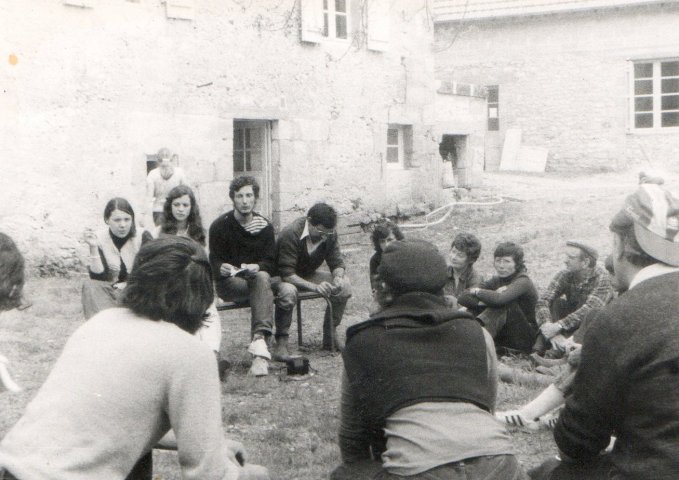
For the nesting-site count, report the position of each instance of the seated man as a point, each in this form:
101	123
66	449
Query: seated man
419	383
302	247
573	292
242	250
627	383
464	252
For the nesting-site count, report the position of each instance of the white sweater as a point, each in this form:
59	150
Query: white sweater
120	384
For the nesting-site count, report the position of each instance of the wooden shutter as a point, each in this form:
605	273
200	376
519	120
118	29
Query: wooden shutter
378	25
312	20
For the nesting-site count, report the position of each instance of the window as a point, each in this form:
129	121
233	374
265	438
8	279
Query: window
399	145
335	19
247	147
493	108
655	95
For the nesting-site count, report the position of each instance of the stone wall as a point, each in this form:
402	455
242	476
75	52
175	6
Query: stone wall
563	80
87	93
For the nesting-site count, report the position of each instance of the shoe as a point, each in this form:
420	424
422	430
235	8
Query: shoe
547	362
280	350
515	418
549	420
258	348
259	368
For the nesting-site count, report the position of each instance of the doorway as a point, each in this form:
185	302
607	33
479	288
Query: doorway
453	150
252	156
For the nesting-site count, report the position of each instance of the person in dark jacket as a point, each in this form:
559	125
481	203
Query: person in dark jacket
302	247
464	252
627	384
509	299
419	383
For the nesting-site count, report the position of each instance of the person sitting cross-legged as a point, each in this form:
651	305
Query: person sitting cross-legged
302	248
580	288
464	252
242	253
419	383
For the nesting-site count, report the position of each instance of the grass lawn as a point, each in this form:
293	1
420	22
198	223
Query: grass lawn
290	425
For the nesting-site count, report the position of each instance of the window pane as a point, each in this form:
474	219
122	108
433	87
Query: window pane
643	120
670	119
670	85
341	26
392	154
492	93
247	138
669	69
248	160
325	25
238	162
643	70
492	112
670	102
341	6
643	87
238	139
392	136
493	124
643	104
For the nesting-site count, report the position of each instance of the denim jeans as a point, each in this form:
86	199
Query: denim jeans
257	290
492	467
286	300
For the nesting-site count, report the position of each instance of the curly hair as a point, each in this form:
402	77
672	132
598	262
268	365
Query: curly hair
511	249
322	214
382	231
243	181
194	223
469	244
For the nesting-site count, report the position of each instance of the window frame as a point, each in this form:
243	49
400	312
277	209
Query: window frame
496	106
403	144
329	16
656	95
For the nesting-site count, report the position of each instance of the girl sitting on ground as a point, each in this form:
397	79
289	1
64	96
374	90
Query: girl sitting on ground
111	255
507	301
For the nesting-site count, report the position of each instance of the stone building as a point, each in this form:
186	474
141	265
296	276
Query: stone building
595	82
321	100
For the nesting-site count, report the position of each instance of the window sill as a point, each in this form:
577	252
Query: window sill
653	131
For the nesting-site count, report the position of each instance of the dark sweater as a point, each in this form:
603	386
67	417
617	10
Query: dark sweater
231	243
628	384
416	350
293	258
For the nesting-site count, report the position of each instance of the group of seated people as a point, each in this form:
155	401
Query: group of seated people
419	383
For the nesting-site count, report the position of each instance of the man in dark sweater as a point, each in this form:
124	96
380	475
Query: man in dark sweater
242	252
302	248
420	383
627	385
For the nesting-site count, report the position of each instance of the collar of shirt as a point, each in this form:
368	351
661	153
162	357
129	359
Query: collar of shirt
305	232
310	245
651	271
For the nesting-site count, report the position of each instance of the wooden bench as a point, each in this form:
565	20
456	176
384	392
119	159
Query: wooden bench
301	296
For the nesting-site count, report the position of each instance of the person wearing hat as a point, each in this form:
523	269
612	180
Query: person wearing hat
627	384
578	289
419	383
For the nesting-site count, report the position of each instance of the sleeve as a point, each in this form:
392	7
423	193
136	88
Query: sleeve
466	299
334	258
475	280
554	290
194	411
268	261
601	293
104	276
587	422
218	243
287	254
520	286
354	440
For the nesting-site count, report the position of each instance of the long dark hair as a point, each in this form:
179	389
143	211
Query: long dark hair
119	203
194	223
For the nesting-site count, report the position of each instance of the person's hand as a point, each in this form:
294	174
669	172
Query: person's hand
450	300
225	269
562	343
324	288
251	268
501	289
90	237
550	329
338	284
254	472
120	285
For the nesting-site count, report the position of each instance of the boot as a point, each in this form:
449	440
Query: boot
338	311
280	350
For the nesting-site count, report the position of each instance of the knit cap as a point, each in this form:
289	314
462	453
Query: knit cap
654	212
413	266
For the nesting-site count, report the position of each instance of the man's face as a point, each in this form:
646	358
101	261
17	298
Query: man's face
575	260
244	200
319	232
458	259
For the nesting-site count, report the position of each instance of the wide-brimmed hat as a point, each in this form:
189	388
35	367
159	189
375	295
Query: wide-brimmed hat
413	266
654	211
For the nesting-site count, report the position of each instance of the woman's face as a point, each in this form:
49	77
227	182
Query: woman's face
505	266
386	241
458	259
119	223
181	208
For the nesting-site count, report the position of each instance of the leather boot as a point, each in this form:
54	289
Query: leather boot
280	350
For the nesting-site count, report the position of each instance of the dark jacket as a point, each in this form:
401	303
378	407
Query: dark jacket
628	384
292	256
469	279
231	243
416	350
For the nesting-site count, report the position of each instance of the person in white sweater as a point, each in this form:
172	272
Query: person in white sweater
129	375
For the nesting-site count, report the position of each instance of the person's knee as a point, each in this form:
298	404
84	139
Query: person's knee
287	296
